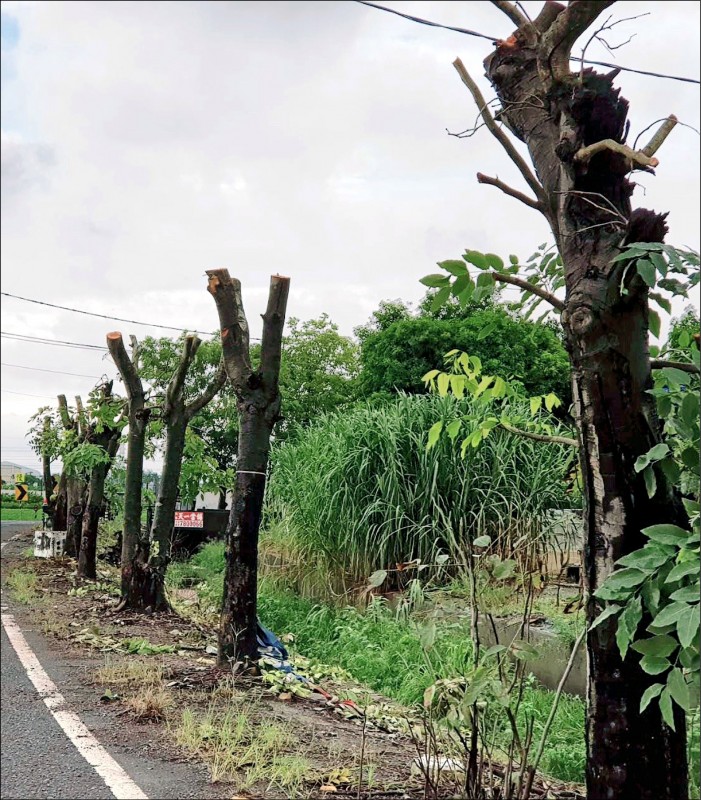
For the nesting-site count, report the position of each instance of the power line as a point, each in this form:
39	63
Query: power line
106	316
422	21
24	394
55	371
21	337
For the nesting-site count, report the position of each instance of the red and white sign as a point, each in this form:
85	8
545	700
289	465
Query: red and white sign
189	519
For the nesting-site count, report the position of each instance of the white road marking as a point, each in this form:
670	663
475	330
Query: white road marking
116	779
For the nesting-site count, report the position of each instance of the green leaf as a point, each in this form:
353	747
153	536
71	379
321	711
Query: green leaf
482	541
684	339
440	297
676	376
504	569
648	558
433	434
609	611
662	302
494	650
430	375
486	331
453	428
687	594
514	260
666	708
377	578
453	266
494	261
435	280
628	624
690	458
535	403
625	578
666	534
688	625
689	410
653	321
683	569
443	384
656	646
650	694
476	258
678	688
670	614
461	284
654	665
659	261
650	481
646	270
499	388
485	281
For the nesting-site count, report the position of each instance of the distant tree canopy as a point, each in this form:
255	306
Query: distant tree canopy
398	347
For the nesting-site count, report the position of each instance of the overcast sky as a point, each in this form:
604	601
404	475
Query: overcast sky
144	142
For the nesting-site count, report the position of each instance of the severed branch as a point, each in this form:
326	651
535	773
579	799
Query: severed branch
273	324
496	131
226	292
190	347
540	437
529	287
524	198
126	367
660	363
634	156
662	133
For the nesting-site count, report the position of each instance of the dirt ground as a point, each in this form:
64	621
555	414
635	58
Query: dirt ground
255	741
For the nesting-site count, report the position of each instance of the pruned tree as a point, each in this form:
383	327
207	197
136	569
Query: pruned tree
176	415
135	543
574	126
258	400
94	456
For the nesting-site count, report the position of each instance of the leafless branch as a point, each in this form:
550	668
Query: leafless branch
607	26
556	43
529	287
190	347
633	156
512	12
273	324
660	363
496	131
218	380
662	133
130	377
540	437
609	208
663	119
233	325
529	201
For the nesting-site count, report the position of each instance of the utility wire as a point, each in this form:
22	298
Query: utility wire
24	394
422	21
54	371
21	337
106	316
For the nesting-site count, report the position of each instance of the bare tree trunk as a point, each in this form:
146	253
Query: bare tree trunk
176	415
259	408
587	204
135	545
76	496
107	438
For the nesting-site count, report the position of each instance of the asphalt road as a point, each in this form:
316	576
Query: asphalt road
36	759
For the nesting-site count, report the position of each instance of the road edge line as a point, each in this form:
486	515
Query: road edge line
115	777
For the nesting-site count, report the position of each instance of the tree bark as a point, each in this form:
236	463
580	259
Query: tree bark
258	402
588	208
107	438
76	497
135	545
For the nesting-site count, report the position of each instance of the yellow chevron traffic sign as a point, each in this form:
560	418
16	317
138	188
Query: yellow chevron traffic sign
21	492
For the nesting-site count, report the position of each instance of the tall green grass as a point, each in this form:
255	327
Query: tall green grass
359	492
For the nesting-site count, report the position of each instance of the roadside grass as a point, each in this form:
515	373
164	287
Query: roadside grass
239	744
20	514
150	704
132	674
22	583
383	651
